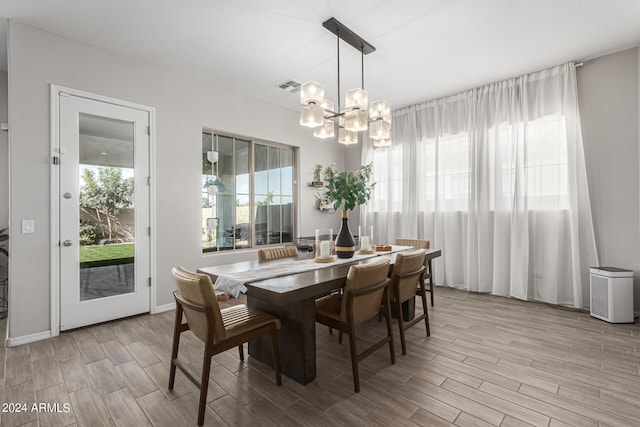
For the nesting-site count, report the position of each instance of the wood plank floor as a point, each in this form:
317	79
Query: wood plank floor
489	361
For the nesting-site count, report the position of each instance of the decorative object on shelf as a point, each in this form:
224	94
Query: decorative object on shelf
347	190
324	204
317	176
323	245
318	113
365	236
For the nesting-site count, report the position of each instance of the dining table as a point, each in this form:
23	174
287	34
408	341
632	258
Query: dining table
291	298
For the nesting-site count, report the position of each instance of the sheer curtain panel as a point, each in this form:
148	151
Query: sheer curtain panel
495	177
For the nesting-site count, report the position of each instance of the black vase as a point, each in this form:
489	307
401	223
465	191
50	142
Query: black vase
345	244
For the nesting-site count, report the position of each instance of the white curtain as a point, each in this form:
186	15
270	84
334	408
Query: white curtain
495	177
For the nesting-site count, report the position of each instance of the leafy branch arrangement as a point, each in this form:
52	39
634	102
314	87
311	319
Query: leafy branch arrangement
214	181
348	189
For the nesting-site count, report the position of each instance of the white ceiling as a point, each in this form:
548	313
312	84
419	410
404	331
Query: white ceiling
425	48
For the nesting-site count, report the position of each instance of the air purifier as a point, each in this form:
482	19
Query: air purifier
612	294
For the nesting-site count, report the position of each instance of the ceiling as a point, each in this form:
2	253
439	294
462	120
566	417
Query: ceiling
425	48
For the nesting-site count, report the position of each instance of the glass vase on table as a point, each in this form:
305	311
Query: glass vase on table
365	237
323	245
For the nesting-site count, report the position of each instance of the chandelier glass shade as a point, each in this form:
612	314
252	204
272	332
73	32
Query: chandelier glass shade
358	115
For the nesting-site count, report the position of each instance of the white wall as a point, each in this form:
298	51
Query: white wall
608	97
4	152
183	108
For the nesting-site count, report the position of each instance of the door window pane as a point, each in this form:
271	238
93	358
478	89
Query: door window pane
106	203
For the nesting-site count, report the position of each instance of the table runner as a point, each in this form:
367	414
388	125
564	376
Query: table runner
233	283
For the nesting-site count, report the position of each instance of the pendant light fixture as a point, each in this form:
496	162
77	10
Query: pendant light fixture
319	113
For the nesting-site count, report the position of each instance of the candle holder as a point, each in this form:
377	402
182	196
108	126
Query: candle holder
324	240
365	236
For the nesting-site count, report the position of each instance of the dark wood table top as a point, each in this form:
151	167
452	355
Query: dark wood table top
299	286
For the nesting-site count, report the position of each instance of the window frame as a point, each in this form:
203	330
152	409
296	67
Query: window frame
252	203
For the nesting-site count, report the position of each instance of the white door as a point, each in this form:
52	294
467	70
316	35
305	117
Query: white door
104	211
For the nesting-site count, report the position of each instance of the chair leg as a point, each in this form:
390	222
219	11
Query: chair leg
431	290
204	385
276	356
424	308
403	343
174	348
387	315
431	282
339	337
330	330
354	359
241	352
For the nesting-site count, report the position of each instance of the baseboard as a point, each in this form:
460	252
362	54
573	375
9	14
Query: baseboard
165	307
25	339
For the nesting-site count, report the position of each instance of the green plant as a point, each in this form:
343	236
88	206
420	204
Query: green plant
4	237
103	196
214	181
348	189
317	172
267	200
88	233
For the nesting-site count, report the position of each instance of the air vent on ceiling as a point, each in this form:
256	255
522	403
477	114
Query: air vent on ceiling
290	86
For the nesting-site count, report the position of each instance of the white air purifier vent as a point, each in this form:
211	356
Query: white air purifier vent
612	294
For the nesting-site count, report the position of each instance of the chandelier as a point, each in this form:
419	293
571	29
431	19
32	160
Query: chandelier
358	115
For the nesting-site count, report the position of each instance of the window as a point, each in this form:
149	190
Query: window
544	178
247	193
532	155
387	194
445	172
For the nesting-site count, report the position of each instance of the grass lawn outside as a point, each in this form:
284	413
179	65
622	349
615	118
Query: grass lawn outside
96	253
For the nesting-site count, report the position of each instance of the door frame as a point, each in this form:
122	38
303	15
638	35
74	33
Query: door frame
56	92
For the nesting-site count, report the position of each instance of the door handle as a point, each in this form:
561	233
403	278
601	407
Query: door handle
67	243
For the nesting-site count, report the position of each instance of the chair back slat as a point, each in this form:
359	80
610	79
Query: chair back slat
198	290
362	277
417	243
269	254
407	271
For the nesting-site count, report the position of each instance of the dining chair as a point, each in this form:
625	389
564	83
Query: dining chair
421	244
406	278
269	254
220	330
366	288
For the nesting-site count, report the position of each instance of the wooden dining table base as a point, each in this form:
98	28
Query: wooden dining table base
296	338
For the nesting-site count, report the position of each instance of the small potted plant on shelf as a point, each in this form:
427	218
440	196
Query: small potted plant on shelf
317	176
347	190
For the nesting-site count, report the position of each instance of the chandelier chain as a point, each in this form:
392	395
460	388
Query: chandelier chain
338	43
362	64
